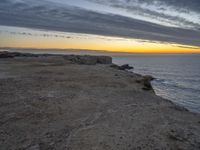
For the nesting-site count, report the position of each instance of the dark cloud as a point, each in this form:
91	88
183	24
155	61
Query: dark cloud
52	16
189	47
36	34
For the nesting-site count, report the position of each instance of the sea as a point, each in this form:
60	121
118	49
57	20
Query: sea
177	76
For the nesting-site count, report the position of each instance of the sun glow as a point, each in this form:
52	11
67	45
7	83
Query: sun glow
28	38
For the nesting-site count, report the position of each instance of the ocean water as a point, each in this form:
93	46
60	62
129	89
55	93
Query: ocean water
177	76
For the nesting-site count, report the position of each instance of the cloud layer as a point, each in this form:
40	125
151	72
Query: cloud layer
167	12
46	14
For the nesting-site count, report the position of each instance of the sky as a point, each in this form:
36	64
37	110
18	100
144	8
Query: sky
114	25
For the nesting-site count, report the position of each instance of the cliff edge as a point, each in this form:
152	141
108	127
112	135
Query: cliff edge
60	102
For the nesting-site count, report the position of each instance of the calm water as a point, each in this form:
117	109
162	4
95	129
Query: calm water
177	76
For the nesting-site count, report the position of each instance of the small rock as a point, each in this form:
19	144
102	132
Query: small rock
178	135
34	147
180	108
148	77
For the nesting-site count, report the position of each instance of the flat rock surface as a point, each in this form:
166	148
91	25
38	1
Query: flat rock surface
49	103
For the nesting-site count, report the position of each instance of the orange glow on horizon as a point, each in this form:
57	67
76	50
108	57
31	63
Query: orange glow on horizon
112	47
90	42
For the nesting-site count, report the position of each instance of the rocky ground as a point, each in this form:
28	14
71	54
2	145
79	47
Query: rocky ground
58	103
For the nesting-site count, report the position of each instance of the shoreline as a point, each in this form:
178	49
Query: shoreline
84	102
147	78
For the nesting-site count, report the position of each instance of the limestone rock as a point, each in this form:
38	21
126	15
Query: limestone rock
89	60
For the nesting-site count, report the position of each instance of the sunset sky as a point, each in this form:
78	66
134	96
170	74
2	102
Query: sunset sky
140	26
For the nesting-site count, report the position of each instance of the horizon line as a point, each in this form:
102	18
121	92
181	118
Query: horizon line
94	51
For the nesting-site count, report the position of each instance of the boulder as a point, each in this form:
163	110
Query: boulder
5	54
125	67
146	81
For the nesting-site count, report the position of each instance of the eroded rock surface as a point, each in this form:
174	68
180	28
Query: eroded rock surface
89	60
50	103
